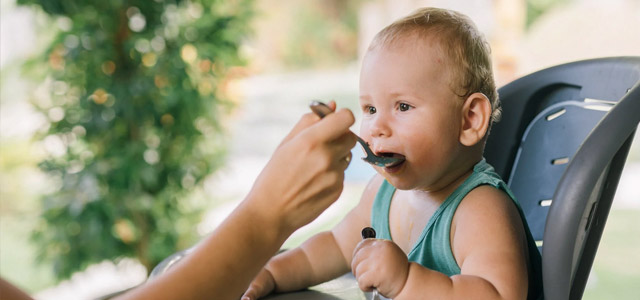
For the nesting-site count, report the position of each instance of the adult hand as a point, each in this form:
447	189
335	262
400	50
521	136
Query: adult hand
306	173
303	177
380	264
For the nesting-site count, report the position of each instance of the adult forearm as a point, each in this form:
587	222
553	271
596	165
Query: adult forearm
9	291
223	265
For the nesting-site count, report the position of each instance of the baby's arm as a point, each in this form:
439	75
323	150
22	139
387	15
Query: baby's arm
323	257
488	241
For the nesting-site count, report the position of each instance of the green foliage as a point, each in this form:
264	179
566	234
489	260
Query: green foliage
537	8
136	92
326	33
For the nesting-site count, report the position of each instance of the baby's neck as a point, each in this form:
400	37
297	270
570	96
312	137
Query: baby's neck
462	170
443	192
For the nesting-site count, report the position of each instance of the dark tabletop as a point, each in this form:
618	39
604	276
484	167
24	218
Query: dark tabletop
341	288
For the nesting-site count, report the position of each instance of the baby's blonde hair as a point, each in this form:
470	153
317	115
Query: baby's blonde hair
466	48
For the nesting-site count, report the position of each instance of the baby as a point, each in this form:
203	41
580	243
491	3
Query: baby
448	226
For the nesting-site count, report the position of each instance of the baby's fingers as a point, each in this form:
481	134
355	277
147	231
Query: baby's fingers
254	292
366	281
250	294
361	251
365	274
360	256
261	286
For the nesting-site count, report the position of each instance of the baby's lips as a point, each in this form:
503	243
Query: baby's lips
383	153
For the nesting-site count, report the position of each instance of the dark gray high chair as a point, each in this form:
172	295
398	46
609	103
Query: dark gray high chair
561	146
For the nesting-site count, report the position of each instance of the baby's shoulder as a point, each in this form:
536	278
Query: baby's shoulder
485	198
486	205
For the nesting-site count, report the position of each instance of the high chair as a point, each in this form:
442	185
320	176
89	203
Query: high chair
561	146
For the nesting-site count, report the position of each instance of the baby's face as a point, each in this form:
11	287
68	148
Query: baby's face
410	110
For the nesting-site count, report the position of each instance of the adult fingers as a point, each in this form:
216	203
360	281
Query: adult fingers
344	143
332	105
333	125
305	122
347	160
340	150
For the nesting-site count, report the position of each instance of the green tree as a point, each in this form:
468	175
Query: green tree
136	92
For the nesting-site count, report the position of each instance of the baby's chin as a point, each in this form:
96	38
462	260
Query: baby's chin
398	183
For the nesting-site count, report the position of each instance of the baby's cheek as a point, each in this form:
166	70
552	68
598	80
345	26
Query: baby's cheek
364	129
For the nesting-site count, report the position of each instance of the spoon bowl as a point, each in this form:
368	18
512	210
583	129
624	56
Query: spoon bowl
321	110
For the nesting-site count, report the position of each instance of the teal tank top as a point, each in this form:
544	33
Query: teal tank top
433	247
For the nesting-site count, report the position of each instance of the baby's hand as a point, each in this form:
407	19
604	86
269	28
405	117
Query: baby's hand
380	264
261	286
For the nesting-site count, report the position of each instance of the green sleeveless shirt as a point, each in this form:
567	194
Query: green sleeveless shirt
433	247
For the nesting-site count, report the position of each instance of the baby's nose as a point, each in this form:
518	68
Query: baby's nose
380	127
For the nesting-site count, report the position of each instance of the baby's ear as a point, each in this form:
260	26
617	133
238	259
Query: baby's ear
476	112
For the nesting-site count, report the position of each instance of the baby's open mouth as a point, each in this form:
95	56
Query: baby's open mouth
399	158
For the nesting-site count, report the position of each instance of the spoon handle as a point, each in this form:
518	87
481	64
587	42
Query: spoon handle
320	108
370	233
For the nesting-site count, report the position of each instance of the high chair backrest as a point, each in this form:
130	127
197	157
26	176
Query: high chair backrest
561	145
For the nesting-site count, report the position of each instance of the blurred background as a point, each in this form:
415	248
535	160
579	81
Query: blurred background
131	129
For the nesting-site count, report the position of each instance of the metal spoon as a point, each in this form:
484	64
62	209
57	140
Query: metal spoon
370	233
322	110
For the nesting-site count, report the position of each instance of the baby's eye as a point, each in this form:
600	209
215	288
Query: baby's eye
404	107
370	110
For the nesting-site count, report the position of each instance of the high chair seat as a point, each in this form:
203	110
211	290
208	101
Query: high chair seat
562	145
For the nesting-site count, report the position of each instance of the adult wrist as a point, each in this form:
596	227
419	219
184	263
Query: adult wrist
265	218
